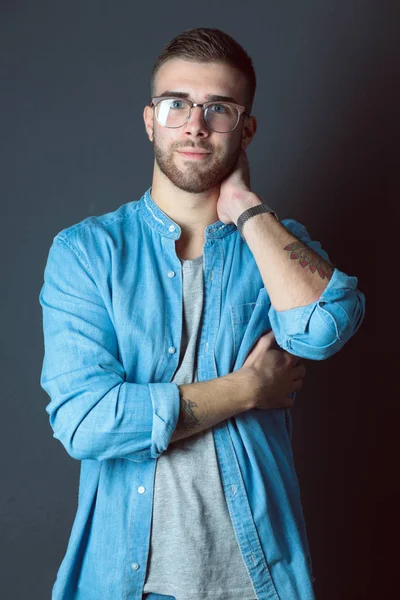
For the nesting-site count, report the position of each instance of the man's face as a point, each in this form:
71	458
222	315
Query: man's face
198	80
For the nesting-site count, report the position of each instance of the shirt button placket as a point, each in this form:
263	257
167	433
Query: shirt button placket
135	566
171	274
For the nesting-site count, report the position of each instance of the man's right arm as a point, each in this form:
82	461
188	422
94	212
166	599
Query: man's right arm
266	380
206	403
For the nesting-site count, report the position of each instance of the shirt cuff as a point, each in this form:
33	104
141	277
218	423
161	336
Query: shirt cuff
320	329
166	408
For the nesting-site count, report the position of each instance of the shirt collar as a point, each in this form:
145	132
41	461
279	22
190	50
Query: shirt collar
161	222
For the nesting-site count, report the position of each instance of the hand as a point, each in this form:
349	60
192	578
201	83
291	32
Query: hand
273	374
235	195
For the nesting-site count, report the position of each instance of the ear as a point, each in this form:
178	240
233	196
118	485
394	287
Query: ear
248	132
148	117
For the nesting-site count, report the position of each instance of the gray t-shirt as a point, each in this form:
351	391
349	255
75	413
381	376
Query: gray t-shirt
194	554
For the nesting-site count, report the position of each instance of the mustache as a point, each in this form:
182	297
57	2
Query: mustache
205	147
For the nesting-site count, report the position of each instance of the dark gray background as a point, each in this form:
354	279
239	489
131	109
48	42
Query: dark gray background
74	81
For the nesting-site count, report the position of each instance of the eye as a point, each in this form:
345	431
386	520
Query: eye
218	108
177	104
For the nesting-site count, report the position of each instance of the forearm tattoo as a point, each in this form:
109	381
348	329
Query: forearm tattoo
187	417
307	257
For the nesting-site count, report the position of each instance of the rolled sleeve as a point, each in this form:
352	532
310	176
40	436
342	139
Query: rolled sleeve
94	411
320	329
166	406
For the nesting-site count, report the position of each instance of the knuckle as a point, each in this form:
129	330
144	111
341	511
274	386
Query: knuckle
297	384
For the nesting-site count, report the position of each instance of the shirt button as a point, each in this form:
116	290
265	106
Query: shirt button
141	490
171	350
171	274
171	227
135	566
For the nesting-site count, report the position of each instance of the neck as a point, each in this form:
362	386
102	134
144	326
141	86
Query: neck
192	212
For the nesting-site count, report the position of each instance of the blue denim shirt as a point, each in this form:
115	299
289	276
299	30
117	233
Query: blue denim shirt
112	320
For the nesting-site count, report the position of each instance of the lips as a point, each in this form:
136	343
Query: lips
191	151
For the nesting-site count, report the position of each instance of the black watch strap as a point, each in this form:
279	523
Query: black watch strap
251	212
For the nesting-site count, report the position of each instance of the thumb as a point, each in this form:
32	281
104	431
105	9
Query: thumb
269	339
263	343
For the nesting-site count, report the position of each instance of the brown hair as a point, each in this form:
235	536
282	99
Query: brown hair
209	45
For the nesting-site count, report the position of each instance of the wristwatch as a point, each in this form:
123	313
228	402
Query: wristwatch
251	212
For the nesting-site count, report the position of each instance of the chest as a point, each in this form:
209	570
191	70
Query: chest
148	312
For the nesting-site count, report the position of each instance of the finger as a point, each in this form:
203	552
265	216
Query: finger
269	335
288	402
299	371
294	359
297	385
291	359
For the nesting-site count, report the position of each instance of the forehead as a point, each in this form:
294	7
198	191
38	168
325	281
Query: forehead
200	80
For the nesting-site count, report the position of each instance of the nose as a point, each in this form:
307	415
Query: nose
196	124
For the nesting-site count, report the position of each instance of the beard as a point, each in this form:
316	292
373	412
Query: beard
195	177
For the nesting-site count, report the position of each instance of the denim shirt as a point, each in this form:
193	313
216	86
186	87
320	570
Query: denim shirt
112	321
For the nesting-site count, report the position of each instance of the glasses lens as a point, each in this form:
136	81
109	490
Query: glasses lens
221	117
172	112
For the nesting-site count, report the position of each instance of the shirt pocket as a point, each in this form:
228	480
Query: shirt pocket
249	321
240	317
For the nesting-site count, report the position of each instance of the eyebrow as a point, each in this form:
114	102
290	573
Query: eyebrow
210	97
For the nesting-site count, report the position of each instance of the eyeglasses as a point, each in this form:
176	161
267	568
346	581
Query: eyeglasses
221	117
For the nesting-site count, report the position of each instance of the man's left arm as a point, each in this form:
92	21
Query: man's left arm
293	273
315	308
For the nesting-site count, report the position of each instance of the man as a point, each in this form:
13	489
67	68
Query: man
160	320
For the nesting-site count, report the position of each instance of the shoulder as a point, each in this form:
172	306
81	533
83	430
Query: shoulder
96	238
100	224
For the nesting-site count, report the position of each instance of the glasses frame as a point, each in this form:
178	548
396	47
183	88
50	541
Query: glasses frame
241	110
